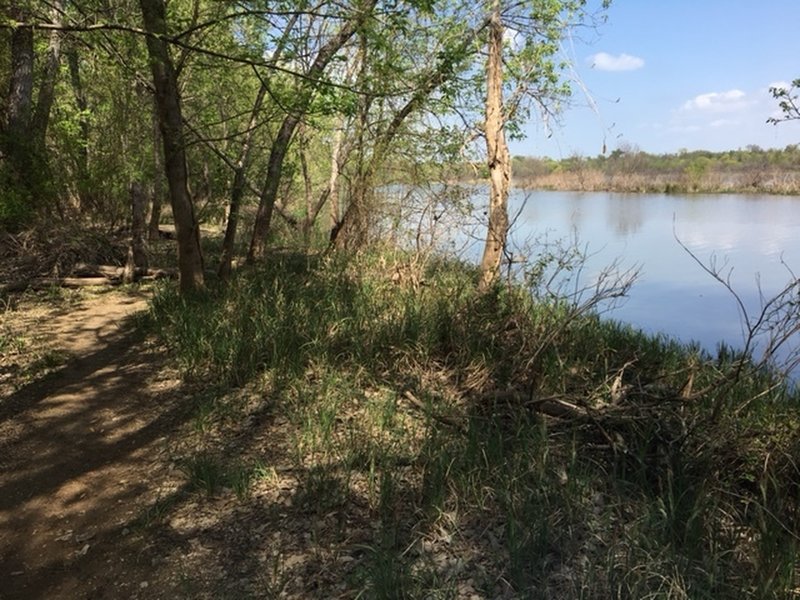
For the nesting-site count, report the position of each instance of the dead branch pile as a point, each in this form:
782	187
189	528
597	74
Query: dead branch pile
65	256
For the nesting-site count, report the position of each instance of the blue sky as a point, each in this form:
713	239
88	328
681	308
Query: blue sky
668	75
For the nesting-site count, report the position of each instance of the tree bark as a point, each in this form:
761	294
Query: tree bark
190	258
336	168
137	250
351	231
85	195
238	189
498	156
347	231
240	169
17	146
20	92
158	181
44	101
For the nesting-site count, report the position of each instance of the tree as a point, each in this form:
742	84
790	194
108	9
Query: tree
788	101
498	155
165	82
303	98
375	87
23	131
404	88
524	37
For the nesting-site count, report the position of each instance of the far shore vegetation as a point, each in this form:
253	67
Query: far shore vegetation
629	169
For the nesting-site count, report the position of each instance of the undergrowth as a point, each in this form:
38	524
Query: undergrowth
503	446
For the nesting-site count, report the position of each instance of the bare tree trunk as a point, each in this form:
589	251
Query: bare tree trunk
158	179
137	250
308	218
44	101
20	92
240	169
190	258
347	231
84	194
336	168
238	189
269	194
498	156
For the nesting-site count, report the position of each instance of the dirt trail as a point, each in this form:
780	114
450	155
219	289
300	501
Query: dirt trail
77	450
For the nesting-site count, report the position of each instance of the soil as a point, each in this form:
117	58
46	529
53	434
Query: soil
82	435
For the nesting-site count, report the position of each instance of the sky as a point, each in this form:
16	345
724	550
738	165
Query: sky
668	75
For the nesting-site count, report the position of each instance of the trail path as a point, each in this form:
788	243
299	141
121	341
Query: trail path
77	450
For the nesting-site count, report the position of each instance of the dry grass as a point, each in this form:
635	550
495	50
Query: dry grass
593	180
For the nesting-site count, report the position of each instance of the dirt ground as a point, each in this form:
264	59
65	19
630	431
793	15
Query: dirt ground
82	436
97	500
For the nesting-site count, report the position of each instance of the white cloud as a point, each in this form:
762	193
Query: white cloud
718	102
781	85
723	123
602	61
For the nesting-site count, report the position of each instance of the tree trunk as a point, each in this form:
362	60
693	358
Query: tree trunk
238	189
347	230
240	169
190	258
44	101
308	190
20	93
158	179
336	168
85	197
137	250
498	156
16	145
269	194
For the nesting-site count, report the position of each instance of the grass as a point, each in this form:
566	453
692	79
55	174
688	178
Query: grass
638	489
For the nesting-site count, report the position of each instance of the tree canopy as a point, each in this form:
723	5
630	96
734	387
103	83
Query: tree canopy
244	111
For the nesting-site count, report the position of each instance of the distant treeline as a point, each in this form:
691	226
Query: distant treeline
753	169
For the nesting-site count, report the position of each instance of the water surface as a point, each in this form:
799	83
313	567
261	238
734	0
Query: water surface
750	238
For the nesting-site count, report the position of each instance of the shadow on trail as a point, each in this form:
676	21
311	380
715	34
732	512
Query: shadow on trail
77	448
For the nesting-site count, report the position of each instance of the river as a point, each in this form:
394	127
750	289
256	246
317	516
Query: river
750	238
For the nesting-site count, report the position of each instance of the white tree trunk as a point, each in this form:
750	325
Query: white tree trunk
498	156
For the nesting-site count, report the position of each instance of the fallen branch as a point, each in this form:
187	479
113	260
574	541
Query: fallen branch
444	419
553	406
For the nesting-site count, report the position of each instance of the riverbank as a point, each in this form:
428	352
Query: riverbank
628	169
400	435
592	180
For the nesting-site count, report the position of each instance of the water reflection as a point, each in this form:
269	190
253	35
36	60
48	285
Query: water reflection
625	215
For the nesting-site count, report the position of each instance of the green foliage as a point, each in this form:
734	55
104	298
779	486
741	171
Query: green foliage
630	169
16	210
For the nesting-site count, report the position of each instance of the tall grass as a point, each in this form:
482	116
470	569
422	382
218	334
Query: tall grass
641	487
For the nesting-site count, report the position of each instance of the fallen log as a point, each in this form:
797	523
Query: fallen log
90	270
99	275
